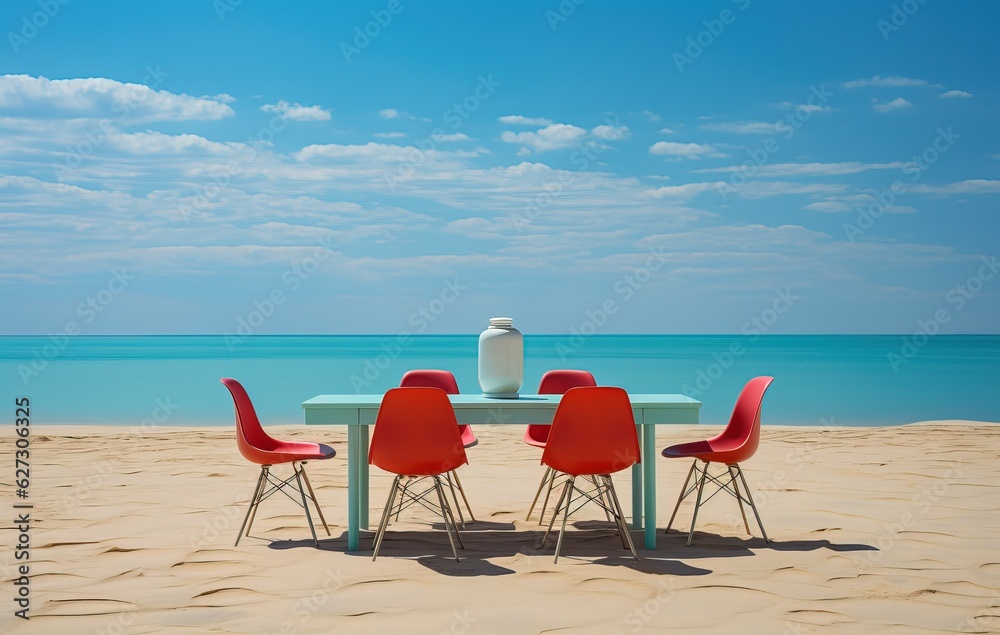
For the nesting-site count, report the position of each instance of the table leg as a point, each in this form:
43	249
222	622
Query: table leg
353	485
649	483
363	486
637	490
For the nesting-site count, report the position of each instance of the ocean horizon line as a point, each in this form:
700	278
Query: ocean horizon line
528	334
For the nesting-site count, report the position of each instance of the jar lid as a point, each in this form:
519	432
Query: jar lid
502	322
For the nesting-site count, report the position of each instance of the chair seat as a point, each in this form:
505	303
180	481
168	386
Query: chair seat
468	436
536	435
288	451
706	451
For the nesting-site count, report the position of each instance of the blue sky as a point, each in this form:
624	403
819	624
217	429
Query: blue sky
377	167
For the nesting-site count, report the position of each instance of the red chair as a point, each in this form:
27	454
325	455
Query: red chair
257	447
593	434
735	444
554	382
416	436
445	380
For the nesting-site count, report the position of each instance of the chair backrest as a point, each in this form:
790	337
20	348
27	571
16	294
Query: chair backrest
250	436
593	432
557	382
416	433
429	378
743	430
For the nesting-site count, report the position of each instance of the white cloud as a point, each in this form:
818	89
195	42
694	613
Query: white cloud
552	137
393	113
896	104
684	192
389	135
803	107
611	133
689	150
747	127
812	169
370	150
891	81
521	120
972	186
667	131
445	138
767	189
40	97
829	207
149	142
297	112
955	93
652	116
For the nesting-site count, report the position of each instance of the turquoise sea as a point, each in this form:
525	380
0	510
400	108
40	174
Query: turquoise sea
819	379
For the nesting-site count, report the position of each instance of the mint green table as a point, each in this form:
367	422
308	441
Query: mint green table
358	412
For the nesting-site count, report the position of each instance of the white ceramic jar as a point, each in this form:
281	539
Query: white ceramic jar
501	359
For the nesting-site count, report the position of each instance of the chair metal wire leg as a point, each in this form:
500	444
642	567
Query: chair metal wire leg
451	486
305	503
601	492
753	506
538	492
444	515
619	519
384	521
264	493
562	532
697	504
681	496
253	504
548	492
312	495
566	487
402	497
622	525
739	497
461	490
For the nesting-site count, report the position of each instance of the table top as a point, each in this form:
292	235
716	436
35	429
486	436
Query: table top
477	408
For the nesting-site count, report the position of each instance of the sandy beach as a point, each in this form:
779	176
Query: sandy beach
894	530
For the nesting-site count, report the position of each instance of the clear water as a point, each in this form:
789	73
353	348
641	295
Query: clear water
819	379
